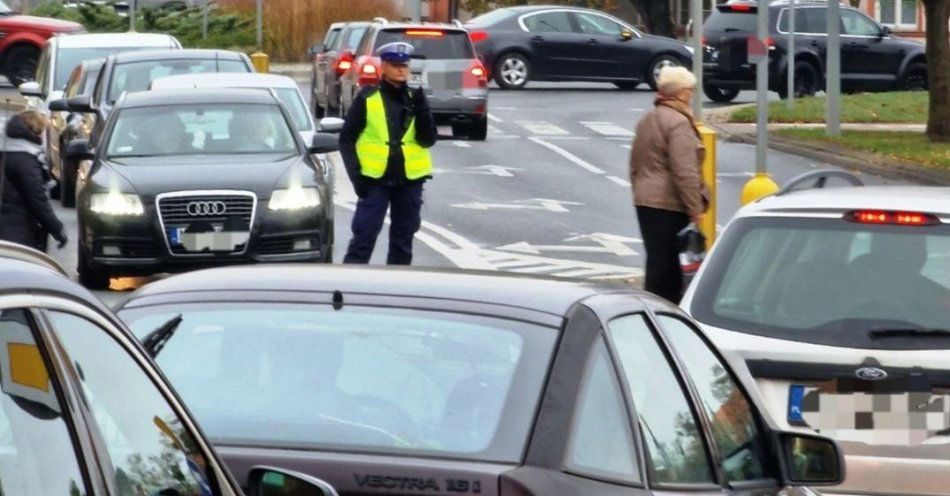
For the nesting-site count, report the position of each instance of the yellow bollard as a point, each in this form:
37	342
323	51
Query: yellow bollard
260	61
708	225
759	186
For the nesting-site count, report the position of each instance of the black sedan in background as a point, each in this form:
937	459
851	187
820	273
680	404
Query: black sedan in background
196	178
402	381
521	44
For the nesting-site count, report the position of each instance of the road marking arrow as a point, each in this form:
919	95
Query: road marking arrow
608	243
532	204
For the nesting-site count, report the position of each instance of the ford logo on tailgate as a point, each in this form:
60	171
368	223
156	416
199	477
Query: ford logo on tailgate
870	373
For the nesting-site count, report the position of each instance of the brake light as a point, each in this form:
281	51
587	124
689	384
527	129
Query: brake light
770	42
740	8
425	32
476	77
368	69
478	71
892	218
478	36
344	64
704	40
368	74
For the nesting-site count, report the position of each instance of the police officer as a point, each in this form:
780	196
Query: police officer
384	144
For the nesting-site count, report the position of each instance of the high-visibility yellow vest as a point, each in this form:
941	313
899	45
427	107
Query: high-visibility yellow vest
372	147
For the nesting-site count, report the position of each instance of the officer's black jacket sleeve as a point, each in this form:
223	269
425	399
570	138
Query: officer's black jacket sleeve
426	132
26	176
353	126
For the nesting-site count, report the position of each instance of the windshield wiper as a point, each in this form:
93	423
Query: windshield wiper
908	332
154	341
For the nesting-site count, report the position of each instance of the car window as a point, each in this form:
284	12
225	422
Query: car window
812	21
37	455
401	381
293	101
138	76
601	443
433	44
205	129
670	431
354	39
42	70
827	280
74	83
743	22
725	405
332	39
150	449
549	22
89	80
68	58
857	24
594	24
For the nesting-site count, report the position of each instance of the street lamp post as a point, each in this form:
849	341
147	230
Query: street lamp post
696	41
259	58
132	15
761	184
833	79
790	84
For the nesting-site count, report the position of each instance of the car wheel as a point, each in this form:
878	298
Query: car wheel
719	94
478	129
512	71
459	129
657	65
915	78
19	64
806	80
627	85
67	184
91	279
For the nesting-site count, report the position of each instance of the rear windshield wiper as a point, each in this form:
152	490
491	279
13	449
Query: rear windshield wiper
908	332
154	341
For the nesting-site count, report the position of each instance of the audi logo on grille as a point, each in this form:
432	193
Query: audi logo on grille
206	208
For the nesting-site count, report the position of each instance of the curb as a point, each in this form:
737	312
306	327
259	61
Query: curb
844	157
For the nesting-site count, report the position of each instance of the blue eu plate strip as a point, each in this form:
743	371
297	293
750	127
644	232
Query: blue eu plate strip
796	393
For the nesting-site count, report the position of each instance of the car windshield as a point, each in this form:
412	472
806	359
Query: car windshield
744	22
4	8
138	76
431	43
362	379
68	58
827	281
200	129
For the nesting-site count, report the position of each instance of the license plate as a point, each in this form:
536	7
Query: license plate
174	235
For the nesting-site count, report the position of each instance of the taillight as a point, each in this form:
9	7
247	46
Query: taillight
368	69
344	64
432	33
478	36
368	74
704	40
740	8
478	71
476	76
892	218
769	41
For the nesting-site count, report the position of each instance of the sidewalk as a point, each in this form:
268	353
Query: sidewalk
299	72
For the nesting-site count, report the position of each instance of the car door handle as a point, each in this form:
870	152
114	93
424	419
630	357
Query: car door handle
537	38
592	41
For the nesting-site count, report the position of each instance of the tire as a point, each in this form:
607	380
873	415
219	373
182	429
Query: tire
719	94
19	63
55	193
806	81
914	78
459	129
658	63
478	129
627	85
314	102
67	185
93	280
512	71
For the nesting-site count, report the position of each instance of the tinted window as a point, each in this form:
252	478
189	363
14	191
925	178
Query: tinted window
206	129
89	80
433	44
68	58
556	22
857	24
36	449
743	22
726	407
670	431
601	436
829	281
598	25
150	450
138	76
376	380
812	21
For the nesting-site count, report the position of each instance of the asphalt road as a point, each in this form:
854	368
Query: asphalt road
547	193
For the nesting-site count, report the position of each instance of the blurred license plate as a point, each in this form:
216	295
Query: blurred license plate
174	235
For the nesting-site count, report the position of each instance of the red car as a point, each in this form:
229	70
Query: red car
22	38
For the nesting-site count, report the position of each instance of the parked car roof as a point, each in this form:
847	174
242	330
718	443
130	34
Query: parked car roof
196	96
191	53
100	40
224	80
914	198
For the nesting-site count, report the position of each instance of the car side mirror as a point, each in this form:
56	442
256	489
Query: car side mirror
810	460
58	106
885	31
81	103
317	49
626	36
79	149
270	481
324	143
330	125
30	88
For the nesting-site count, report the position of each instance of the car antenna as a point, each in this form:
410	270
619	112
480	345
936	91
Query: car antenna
337	299
3	153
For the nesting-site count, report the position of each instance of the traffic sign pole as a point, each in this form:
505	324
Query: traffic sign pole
758	52
696	41
790	84
833	78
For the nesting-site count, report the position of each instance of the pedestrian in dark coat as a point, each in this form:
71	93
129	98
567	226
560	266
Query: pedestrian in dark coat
26	216
666	172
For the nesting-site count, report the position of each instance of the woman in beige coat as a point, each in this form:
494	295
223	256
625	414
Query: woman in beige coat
665	170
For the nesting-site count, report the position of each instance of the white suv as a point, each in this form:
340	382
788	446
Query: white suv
837	303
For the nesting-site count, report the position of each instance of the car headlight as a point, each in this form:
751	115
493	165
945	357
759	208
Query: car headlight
115	203
294	198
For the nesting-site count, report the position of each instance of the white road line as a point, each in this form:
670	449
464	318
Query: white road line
568	155
620	138
568	138
505	108
637	109
495	129
628	147
608	129
620	181
461	144
542	128
494	118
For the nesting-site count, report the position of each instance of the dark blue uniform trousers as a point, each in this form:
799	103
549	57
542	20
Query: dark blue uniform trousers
405	205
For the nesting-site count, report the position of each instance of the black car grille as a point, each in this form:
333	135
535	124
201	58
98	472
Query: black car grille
128	248
236	215
283	245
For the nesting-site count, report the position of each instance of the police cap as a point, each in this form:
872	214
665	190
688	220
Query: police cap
399	52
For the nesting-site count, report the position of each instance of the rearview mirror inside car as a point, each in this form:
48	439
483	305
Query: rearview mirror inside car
81	103
58	105
324	143
270	481
30	88
810	460
79	149
330	125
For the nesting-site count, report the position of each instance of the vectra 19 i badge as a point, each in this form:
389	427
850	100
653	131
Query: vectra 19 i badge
192	178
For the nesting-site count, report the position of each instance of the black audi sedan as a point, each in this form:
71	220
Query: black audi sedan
415	381
200	177
554	43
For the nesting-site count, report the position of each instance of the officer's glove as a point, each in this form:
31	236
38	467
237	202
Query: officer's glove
419	100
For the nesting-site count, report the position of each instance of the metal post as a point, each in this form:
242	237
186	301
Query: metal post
204	20
833	72
696	41
418	13
132	15
790	98
260	25
762	92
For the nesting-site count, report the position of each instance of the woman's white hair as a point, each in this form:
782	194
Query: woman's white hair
673	79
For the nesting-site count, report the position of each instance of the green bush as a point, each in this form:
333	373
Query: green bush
227	29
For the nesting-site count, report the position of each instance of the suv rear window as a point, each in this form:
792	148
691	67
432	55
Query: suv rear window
432	43
828	281
731	21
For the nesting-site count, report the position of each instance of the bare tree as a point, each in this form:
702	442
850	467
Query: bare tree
656	16
938	69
